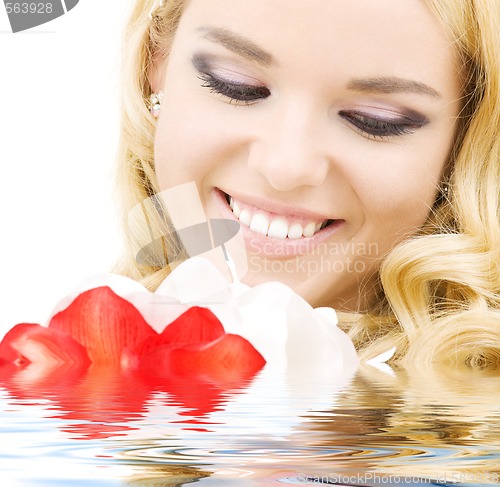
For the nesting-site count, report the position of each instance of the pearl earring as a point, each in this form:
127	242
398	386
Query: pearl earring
154	103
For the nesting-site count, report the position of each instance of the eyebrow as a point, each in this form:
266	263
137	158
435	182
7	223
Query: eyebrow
249	50
238	44
385	85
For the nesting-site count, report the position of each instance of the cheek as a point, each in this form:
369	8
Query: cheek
179	146
191	141
398	196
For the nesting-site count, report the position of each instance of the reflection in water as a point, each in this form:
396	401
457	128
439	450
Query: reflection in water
436	425
274	430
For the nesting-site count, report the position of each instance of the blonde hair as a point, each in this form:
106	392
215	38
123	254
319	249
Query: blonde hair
146	40
439	299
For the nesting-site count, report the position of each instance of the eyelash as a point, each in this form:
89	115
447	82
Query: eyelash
380	128
370	127
237	92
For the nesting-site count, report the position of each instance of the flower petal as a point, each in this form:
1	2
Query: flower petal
290	333
31	343
8	353
196	326
197	280
229	359
121	285
104	323
155	309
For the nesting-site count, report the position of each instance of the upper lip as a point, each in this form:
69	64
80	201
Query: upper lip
279	208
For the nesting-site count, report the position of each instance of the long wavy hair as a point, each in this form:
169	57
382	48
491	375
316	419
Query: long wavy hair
439	298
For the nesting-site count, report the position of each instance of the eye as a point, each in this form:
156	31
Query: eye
240	92
374	127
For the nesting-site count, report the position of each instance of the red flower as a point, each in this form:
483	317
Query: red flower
101	345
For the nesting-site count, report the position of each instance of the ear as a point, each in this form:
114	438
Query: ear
157	74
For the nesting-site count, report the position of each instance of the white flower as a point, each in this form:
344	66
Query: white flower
280	324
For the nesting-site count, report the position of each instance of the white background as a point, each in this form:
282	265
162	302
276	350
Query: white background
58	141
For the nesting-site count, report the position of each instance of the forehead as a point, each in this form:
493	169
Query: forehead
368	37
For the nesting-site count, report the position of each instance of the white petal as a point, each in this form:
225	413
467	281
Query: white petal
274	315
379	362
195	281
383	357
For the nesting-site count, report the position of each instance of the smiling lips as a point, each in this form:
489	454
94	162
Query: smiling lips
274	225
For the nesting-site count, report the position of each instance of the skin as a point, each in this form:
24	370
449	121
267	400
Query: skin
302	146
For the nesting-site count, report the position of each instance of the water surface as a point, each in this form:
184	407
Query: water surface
374	428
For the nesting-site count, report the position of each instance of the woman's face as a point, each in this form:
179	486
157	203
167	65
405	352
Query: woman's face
324	124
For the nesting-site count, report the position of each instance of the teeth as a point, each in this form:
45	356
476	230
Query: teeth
277	227
245	217
260	224
309	230
236	209
295	231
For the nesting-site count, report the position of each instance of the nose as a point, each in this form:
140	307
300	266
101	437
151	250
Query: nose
289	149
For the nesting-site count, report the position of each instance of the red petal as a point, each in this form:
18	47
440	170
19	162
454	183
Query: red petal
196	326
231	358
7	352
104	323
28	342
